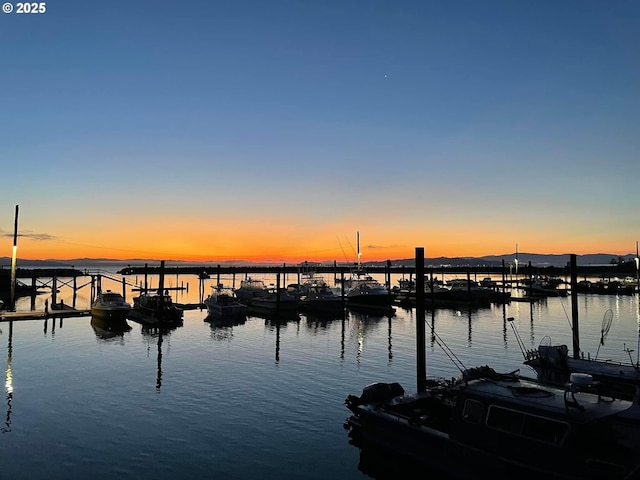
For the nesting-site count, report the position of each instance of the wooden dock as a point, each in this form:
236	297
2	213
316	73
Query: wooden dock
6	316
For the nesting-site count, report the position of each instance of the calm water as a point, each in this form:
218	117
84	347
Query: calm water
257	400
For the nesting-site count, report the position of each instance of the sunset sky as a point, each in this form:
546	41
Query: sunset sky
275	130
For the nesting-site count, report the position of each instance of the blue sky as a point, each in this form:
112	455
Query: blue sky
462	126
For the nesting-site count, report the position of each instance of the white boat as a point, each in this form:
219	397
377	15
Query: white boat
223	302
110	305
364	291
319	297
249	289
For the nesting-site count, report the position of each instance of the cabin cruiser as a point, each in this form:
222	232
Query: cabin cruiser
110	305
156	309
505	425
222	302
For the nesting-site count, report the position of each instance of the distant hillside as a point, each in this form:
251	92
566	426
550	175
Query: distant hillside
537	260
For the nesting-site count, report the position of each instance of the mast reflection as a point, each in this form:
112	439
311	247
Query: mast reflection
8	383
157	333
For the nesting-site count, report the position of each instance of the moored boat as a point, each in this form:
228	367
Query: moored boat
503	425
222	302
553	364
274	302
110	305
319	297
249	289
362	291
156	309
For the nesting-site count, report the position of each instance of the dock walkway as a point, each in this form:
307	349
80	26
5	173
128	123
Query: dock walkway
6	316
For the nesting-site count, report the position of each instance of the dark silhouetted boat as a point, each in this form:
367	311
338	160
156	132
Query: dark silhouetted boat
499	425
156	309
223	303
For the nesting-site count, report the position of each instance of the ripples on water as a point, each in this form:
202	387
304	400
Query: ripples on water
254	400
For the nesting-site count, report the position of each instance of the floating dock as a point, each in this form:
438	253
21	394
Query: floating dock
6	316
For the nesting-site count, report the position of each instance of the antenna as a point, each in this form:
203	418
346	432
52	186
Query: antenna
523	349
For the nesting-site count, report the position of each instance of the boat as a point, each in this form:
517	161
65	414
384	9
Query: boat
249	289
469	291
318	297
553	364
223	302
274	302
498	425
110	305
543	286
156	308
458	292
365	292
504	425
61	306
613	286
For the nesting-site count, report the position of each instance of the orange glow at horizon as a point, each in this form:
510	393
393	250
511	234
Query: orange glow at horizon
294	249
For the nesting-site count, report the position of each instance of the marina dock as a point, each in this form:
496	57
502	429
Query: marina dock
6	316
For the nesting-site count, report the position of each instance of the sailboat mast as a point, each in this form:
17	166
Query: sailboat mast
13	260
358	247
637	269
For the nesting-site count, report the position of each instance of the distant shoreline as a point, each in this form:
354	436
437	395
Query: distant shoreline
536	260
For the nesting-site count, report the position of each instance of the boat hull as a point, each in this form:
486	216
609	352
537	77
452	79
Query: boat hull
504	426
168	317
110	314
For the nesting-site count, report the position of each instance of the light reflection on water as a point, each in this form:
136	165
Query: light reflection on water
258	398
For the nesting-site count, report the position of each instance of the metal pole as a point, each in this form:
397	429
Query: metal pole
574	306
420	326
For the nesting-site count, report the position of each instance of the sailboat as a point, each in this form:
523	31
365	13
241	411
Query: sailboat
362	291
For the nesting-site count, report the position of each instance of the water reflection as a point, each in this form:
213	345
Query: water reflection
369	321
277	324
222	327
109	329
156	334
8	384
382	464
53	325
